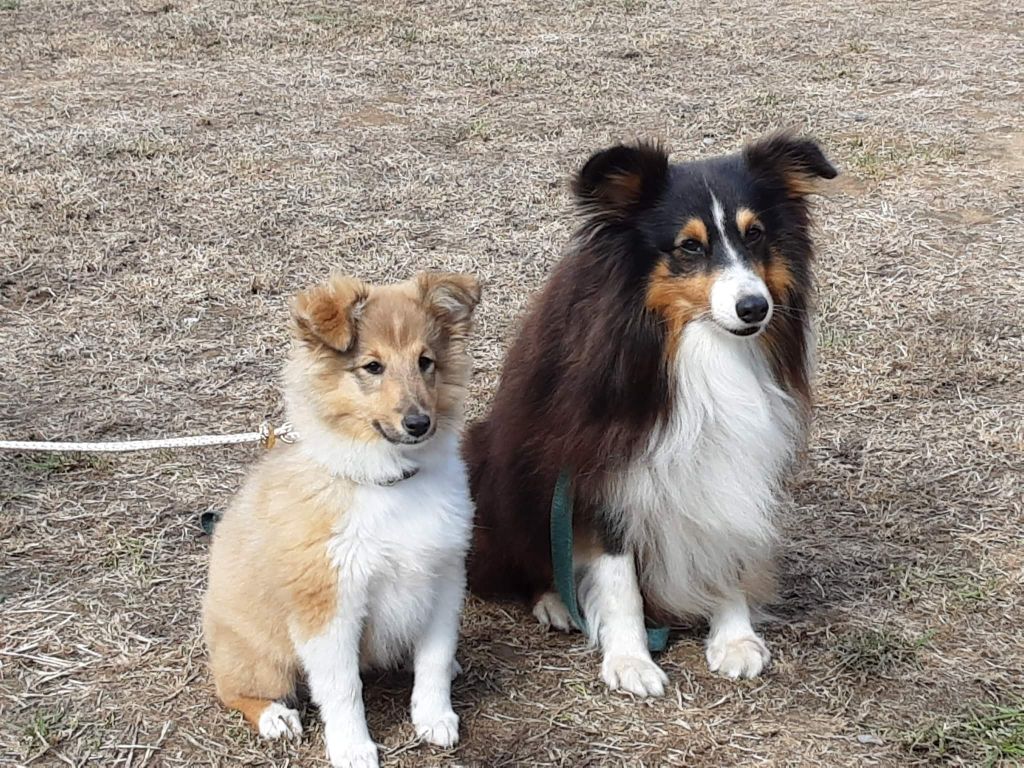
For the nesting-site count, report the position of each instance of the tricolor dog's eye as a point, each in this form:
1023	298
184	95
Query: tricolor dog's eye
426	364
373	367
754	234
692	247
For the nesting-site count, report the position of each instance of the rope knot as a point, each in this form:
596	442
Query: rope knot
269	435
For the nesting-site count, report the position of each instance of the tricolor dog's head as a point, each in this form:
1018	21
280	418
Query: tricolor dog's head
727	238
384	363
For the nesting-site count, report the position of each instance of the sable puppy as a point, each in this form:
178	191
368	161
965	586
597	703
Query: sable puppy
665	364
346	550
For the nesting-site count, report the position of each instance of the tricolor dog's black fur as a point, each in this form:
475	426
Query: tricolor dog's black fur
682	279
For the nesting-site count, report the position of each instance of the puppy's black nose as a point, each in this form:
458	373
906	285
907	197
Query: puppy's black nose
416	424
752	308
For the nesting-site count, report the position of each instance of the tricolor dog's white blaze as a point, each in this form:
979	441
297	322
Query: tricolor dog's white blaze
400	555
735	281
697	505
718	213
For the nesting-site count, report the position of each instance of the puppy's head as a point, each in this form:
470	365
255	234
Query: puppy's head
384	363
727	239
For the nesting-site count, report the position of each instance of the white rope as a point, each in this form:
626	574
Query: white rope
267	436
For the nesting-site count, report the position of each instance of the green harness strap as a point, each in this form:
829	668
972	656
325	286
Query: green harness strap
561	561
561	548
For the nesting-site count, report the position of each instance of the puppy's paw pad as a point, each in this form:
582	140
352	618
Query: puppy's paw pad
362	755
278	720
550	611
442	732
738	657
634	674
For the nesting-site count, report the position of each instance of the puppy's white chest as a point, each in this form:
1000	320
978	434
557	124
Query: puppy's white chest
398	544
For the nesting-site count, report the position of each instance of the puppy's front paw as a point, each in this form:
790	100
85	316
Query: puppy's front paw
278	720
633	674
737	657
442	731
361	754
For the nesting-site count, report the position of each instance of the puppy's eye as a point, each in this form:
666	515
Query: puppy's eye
692	247
426	364
754	233
373	367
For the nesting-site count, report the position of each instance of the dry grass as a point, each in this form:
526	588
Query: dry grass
172	170
985	736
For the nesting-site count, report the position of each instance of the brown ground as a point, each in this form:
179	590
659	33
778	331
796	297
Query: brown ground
171	171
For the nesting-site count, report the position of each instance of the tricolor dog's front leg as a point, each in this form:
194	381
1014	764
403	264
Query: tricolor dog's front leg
331	661
733	648
614	609
434	664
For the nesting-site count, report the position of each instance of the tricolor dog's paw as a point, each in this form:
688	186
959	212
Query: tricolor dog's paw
278	720
550	611
634	674
441	731
737	657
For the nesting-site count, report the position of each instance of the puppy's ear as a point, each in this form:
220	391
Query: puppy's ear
451	297
798	163
328	313
622	180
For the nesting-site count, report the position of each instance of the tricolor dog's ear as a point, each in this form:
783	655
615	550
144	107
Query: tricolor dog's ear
622	180
329	313
798	163
451	297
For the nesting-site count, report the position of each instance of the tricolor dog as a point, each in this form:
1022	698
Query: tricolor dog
666	366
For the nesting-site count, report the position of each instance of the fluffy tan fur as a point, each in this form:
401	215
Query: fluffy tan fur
270	570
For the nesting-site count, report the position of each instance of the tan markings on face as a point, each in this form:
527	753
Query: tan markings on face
744	218
778	340
678	299
779	334
694	229
777	276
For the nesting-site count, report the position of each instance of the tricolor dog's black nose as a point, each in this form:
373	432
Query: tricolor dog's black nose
416	424
752	308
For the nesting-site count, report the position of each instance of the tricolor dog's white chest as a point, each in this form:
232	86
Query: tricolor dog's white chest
697	506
